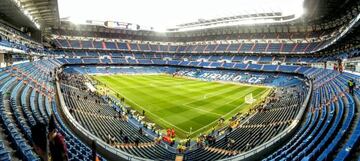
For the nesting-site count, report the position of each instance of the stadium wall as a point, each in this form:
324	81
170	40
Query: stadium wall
191	66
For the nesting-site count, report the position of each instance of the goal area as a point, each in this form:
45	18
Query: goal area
249	99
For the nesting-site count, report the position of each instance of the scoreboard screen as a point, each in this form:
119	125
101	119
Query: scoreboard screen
119	25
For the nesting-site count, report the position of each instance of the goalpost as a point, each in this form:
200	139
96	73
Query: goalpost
249	99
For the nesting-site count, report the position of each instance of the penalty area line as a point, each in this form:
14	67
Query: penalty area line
236	108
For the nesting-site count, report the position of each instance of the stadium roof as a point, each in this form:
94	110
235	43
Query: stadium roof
30	13
164	14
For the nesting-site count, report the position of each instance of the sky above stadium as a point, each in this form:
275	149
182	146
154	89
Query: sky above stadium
163	14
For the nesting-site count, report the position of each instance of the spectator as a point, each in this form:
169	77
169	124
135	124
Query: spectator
71	110
57	146
158	140
198	142
232	143
188	141
52	123
173	133
137	141
93	150
226	139
140	131
351	85
109	139
39	141
230	129
121	132
341	68
126	139
172	142
113	140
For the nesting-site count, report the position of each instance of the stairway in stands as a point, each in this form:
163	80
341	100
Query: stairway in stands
356	151
348	133
8	146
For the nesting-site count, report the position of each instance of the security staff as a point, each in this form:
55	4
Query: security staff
351	85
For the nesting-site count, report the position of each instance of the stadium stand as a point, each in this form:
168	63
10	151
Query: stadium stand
265	124
104	121
310	72
21	86
310	113
323	106
233	48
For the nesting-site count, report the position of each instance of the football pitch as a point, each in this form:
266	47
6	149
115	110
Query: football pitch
190	106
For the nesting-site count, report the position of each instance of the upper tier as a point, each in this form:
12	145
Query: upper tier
236	47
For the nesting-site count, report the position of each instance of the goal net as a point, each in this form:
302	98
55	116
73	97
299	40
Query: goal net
249	99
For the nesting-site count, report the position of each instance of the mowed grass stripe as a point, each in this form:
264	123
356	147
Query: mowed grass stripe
243	107
138	95
169	110
157	119
222	109
166	79
225	108
166	97
181	93
164	82
217	104
167	100
163	94
221	97
200	86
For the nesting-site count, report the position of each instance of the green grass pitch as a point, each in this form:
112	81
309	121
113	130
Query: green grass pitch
182	103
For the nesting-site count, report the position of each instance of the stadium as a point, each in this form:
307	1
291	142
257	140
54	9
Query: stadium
183	80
